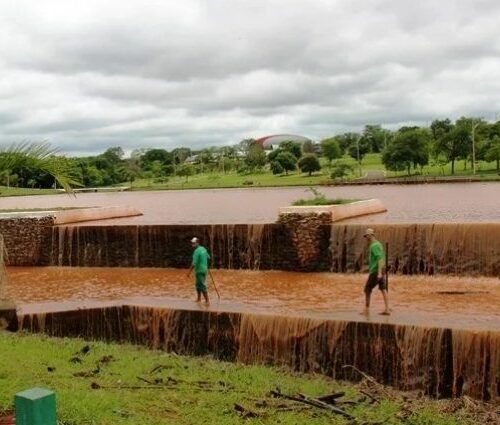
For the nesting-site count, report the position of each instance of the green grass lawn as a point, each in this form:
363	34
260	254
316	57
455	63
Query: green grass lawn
21	191
123	384
371	163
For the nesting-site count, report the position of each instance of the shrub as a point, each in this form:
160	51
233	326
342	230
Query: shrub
341	170
276	168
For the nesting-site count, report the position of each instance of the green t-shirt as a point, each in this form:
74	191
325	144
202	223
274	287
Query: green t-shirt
376	253
200	259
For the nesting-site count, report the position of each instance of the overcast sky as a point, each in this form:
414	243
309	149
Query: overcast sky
87	75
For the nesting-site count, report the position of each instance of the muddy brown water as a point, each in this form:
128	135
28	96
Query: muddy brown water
466	303
457	202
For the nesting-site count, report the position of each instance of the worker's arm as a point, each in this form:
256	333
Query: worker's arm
193	263
381	267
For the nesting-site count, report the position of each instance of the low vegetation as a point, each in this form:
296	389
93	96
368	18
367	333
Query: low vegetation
320	199
109	384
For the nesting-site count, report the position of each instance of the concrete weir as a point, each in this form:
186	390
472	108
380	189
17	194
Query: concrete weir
441	362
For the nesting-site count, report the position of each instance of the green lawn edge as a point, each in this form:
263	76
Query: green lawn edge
202	390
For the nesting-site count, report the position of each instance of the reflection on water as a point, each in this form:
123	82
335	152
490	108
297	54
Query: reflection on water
451	301
457	202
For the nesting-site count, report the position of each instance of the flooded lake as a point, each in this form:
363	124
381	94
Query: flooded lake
453	202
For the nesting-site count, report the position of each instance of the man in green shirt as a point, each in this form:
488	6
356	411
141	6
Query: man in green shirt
376	266
200	267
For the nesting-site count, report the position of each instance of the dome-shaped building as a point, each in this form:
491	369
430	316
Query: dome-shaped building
271	142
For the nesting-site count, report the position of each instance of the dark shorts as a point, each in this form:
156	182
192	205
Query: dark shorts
200	284
374	281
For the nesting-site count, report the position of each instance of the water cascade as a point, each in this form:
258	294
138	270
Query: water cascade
458	248
442	362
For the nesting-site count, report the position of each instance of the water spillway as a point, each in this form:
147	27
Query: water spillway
455	248
442	338
440	361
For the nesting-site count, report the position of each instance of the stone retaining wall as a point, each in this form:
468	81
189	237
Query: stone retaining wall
27	240
295	243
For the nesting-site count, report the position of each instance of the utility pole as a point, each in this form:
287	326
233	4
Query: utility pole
474	126
357	149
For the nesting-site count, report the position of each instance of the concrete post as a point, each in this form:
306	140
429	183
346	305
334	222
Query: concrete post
36	406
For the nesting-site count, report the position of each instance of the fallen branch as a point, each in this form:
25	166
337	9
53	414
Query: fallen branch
331	398
312	402
371	397
244	412
367	377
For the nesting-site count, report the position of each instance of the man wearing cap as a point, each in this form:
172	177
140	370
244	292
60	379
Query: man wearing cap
200	267
376	259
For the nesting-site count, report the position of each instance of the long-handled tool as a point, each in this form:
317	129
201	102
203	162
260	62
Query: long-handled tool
213	282
387	266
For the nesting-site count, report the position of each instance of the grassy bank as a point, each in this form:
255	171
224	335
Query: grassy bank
22	191
372	167
116	384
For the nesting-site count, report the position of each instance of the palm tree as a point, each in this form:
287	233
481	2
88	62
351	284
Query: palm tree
38	157
35	157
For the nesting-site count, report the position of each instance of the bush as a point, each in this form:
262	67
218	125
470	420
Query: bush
160	180
276	168
321	199
341	170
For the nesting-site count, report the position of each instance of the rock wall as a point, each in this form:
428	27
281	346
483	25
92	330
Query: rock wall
27	240
238	246
297	242
309	237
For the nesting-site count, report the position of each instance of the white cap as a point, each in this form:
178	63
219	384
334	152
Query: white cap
369	232
194	240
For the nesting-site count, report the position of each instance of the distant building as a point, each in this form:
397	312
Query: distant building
193	159
272	142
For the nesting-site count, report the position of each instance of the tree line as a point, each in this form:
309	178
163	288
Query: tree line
408	149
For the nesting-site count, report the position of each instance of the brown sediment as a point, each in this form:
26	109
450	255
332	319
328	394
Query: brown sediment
439	361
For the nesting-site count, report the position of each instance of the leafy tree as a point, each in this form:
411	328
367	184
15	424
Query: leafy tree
449	141
409	148
345	140
293	147
493	151
330	149
308	147
185	170
179	155
276	168
287	160
244	146
131	169
152	155
358	149
114	155
93	177
273	154
255	157
440	128
341	170
375	137
309	164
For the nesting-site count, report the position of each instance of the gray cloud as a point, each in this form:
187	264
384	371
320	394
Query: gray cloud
93	75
